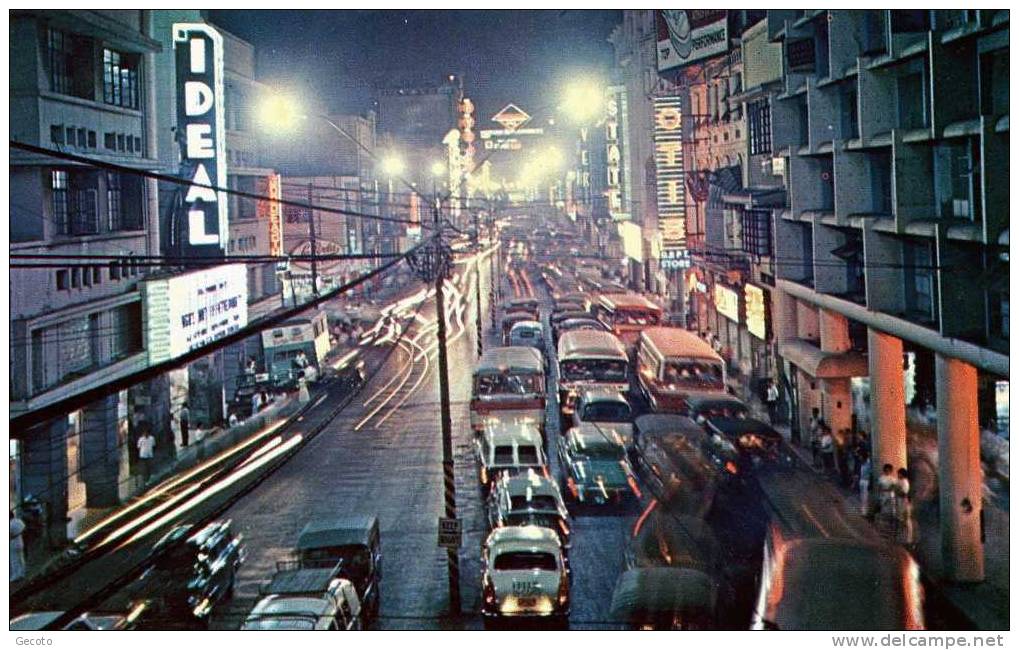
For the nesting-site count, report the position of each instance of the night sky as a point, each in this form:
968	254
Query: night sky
504	56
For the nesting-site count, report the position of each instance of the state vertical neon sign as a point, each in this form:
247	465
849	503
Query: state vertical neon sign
200	121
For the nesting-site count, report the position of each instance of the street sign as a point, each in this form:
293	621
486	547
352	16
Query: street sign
450	533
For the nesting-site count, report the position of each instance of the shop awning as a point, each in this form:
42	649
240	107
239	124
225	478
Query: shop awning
756	197
823	365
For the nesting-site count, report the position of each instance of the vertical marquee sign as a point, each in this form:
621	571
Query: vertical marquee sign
200	124
668	138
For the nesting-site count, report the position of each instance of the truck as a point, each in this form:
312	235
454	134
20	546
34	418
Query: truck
301	598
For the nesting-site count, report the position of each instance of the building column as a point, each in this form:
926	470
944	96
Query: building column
838	400
960	479
100	453
44	476
887	400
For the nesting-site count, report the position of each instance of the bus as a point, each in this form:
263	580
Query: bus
291	341
589	358
671	363
627	314
509	385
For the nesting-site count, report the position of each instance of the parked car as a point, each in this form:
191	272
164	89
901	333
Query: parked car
529	499
595	469
191	574
306	599
353	541
525	575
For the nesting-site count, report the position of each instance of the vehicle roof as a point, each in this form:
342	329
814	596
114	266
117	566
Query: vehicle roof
574	314
530	482
531	324
498	431
517	358
580	321
514	316
739	426
655	424
676	341
591	434
602	394
633	300
301	581
590	343
284	605
697	400
338	531
523	538
662	590
523	301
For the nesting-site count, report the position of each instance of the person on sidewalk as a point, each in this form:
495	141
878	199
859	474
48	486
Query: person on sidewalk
185	424
17	549
771	401
827	446
886	486
866	469
146	447
815	435
904	509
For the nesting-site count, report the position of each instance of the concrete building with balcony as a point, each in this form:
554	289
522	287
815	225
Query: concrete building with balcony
890	132
82	82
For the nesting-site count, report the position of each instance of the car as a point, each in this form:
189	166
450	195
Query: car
595	469
354	542
606	408
528	499
562	305
701	406
511	319
665	598
510	448
191	573
574	324
724	455
91	621
758	444
524	305
306	599
527	333
525	575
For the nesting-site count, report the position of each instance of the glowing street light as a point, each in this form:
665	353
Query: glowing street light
392	165
438	168
279	112
583	101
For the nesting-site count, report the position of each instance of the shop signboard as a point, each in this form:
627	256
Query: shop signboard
669	175
200	121
727	302
685	36
756	311
181	313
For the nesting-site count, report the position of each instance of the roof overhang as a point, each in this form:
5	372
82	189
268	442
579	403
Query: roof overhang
823	365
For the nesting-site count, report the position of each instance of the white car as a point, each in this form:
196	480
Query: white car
525	576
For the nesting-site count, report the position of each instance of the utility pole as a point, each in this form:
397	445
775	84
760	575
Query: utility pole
438	263
477	283
311	239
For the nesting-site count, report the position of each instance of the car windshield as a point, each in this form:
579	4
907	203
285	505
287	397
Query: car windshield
607	412
517	384
594	369
537	502
355	557
528	454
503	455
603	451
693	373
525	561
635	317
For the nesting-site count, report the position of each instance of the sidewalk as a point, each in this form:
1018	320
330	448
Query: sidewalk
984	606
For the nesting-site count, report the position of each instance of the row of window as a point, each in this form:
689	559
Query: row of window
76	208
83	138
81	277
71	62
242	244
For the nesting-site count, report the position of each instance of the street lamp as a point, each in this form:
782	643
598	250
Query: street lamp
583	101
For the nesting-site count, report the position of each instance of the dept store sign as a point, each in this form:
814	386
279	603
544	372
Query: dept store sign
200	124
669	173
184	312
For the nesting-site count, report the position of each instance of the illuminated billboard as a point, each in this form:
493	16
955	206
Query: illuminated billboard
270	209
685	36
616	155
727	302
671	188
200	122
757	312
183	312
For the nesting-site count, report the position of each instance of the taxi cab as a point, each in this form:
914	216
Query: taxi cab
509	448
525	575
530	499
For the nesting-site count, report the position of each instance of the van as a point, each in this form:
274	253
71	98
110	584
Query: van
511	448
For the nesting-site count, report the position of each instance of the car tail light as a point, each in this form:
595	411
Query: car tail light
488	591
564	589
633	486
563	527
730	467
484	475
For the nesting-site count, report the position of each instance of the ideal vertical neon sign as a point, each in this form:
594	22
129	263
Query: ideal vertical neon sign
200	122
669	174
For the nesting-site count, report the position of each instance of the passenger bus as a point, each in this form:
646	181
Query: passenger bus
509	385
290	342
671	363
589	358
627	314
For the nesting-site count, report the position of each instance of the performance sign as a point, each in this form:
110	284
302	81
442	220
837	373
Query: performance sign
199	53
686	36
668	138
271	210
184	312
757	321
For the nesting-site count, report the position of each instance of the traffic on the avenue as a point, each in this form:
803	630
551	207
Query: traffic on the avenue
714	337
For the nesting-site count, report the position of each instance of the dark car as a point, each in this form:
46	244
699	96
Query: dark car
354	542
722	454
191	574
703	406
758	444
574	324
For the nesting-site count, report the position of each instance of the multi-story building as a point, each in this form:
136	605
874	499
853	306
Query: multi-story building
82	82
890	130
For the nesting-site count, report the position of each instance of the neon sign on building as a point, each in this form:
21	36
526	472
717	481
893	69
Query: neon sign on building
669	172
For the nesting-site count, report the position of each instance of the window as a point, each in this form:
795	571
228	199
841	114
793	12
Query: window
121	143
63	280
120	79
912	101
114	271
881	182
75	278
850	114
113	201
69	59
957	184
85	210
757	232
82	138
137	144
91	139
59	50
57	134
911	20
110	141
58	186
919	278
759	113
994	82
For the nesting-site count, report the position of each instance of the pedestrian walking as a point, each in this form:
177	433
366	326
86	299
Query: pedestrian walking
17	550
904	508
826	444
866	469
256	402
771	401
146	448
886	486
185	424
815	435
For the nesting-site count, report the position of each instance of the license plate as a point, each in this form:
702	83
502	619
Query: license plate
527	602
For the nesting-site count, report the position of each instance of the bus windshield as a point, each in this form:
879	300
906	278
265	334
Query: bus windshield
594	369
691	373
634	317
521	384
